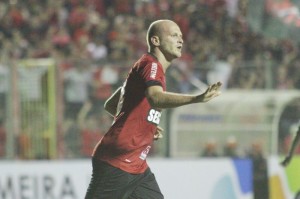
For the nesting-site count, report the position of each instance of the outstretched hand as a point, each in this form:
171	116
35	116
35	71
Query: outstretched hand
211	92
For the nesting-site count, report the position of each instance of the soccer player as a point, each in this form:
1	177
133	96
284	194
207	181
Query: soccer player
290	154
120	169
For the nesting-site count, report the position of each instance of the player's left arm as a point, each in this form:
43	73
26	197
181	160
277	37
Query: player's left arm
158	98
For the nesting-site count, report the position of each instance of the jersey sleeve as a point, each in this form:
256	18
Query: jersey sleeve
153	75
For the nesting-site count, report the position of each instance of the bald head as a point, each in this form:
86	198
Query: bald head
156	28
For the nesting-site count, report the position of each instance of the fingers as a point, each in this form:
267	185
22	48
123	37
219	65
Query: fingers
159	129
214	90
216	86
158	134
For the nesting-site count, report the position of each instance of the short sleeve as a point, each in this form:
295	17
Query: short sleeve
153	74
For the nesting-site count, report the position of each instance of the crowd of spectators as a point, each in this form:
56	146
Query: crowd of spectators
218	41
94	42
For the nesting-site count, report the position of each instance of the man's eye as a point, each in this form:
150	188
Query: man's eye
175	35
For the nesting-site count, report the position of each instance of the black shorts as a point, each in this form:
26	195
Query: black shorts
109	182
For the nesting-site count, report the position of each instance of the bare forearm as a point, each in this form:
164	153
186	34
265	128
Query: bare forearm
162	99
170	100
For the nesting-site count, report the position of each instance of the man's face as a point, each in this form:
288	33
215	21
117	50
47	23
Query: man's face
171	41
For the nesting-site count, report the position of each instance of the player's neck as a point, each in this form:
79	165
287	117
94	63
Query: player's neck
161	59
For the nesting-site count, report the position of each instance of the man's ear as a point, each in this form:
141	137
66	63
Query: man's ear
155	40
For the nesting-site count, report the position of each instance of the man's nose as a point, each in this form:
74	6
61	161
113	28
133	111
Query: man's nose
180	41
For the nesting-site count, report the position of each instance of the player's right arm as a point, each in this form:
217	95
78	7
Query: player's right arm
289	156
163	99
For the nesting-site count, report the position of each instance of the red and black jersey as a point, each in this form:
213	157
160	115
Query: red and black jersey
128	141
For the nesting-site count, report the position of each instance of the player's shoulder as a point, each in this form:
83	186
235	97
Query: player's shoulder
150	57
146	60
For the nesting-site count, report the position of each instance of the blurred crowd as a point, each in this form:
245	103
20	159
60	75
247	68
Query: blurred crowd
219	44
95	42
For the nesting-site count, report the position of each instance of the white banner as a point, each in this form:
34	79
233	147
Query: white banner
205	178
178	179
44	179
